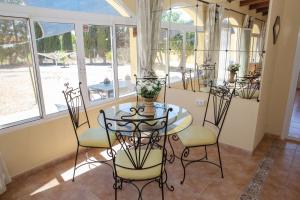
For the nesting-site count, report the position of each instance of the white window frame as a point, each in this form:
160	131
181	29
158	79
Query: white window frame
33	14
38	98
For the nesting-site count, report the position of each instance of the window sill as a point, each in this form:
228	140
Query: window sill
38	120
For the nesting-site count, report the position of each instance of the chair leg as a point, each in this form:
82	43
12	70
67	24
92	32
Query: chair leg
220	161
162	189
185	153
75	163
205	152
116	189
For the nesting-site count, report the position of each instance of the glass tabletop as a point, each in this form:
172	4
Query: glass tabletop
179	118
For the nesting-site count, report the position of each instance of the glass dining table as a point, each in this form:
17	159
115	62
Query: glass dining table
179	118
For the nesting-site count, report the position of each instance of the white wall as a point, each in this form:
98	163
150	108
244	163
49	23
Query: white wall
240	125
25	148
279	64
276	9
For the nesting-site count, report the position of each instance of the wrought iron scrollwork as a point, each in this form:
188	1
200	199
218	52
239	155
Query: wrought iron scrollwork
75	101
138	137
219	100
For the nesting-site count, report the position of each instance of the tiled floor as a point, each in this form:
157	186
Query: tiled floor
295	121
281	178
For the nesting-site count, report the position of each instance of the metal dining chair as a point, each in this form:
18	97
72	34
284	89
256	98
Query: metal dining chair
207	134
248	88
139	82
142	154
90	137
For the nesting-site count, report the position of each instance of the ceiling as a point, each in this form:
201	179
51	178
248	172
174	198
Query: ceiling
261	6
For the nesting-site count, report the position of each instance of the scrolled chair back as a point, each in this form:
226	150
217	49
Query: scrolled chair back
247	88
75	101
219	100
138	136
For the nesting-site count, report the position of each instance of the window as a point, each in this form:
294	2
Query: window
57	64
19	96
254	45
229	46
160	63
182	22
177	15
176	57
189	49
126	43
63	50
89	6
98	62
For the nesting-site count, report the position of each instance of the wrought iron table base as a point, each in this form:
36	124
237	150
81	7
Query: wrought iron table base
172	154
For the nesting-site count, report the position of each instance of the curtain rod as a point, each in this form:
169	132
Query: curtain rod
229	9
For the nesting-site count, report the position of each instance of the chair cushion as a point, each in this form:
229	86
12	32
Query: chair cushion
197	135
96	137
154	158
179	125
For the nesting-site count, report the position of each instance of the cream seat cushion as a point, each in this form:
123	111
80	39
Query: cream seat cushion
96	137
197	135
154	158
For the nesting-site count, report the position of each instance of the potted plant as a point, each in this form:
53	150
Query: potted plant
106	81
149	90
232	68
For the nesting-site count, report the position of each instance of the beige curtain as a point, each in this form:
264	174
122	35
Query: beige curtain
4	176
148	29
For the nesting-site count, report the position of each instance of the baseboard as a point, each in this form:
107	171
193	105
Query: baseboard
47	165
275	136
246	152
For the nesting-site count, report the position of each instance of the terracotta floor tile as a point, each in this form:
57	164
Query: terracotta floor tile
203	180
291	194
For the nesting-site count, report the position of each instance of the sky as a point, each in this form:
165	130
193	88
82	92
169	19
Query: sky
91	6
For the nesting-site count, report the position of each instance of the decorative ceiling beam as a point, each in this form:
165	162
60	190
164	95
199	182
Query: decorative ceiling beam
265	9
249	2
259	5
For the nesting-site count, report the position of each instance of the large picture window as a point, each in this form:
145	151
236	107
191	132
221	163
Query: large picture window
126	44
98	61
19	96
63	49
57	62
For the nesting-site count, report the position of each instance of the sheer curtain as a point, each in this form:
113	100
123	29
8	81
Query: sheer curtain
262	43
213	35
245	44
4	176
209	32
148	29
217	37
